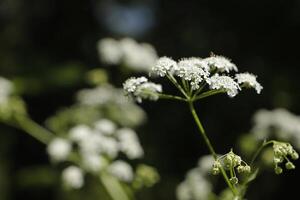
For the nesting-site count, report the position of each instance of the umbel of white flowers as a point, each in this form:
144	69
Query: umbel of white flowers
98	148
216	73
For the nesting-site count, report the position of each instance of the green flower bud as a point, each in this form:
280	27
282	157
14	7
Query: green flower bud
228	160
295	155
240	169
215	171
236	160
289	165
278	159
278	170
234	180
247	169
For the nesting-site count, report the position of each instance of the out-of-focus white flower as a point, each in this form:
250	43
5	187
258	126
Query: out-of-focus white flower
100	95
59	149
140	88
220	63
217	82
138	57
129	143
193	70
194	187
109	146
6	89
121	170
163	66
205	164
278	122
105	126
249	80
80	132
73	177
183	192
110	51
93	162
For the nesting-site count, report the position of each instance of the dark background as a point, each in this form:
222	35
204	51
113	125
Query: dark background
46	46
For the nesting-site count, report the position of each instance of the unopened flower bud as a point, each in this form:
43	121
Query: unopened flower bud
289	165
240	169
234	180
278	170
236	160
295	155
215	171
247	169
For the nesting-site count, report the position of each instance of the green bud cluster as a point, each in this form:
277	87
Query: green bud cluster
282	151
231	162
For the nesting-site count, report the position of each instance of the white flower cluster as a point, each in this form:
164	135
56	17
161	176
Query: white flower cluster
6	89
226	83
214	71
193	70
220	63
138	57
196	185
249	80
280	123
97	147
140	88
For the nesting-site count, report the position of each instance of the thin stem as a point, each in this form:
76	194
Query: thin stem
208	93
113	187
34	129
168	96
259	150
177	85
209	145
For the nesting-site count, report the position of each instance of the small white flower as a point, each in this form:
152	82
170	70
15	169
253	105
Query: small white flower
129	143
163	66
91	144
249	80
80	132
193	70
59	149
109	146
6	88
220	63
73	177
217	82
140	88
109	51
93	162
121	170
105	126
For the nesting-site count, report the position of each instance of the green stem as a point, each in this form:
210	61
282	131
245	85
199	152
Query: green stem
209	145
207	94
34	129
168	96
177	85
259	150
113	187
